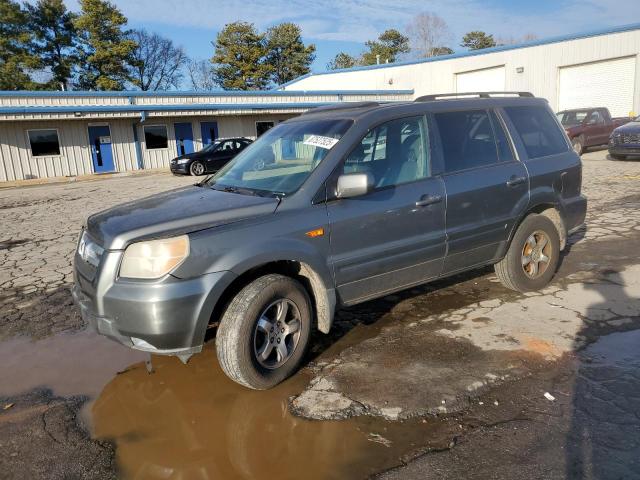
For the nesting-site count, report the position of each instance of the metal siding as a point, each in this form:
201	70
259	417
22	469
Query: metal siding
541	65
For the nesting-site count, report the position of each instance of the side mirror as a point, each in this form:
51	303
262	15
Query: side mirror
354	184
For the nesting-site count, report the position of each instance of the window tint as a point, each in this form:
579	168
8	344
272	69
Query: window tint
505	153
44	142
538	130
467	139
155	136
393	153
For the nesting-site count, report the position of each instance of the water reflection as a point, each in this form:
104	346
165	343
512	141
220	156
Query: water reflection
192	422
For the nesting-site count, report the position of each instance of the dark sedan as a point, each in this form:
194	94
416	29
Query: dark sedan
625	140
210	159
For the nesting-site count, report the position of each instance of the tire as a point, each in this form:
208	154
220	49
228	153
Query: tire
197	168
512	271
616	156
578	144
241	334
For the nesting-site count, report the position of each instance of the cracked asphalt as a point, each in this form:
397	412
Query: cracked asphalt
446	380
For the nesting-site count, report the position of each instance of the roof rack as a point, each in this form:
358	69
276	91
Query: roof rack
438	96
342	106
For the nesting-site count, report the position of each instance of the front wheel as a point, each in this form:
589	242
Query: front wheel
616	156
532	258
264	332
197	168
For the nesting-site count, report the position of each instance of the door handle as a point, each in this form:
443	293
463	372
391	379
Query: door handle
515	181
426	200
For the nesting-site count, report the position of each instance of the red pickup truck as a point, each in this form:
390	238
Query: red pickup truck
588	127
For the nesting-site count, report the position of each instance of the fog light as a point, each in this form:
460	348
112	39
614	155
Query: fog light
138	342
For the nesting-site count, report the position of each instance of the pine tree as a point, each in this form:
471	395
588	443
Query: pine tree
54	38
239	58
342	60
105	53
15	57
286	52
390	44
477	40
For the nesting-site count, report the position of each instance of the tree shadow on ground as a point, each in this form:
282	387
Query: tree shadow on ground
603	441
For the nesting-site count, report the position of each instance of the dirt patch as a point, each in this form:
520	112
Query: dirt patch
40	437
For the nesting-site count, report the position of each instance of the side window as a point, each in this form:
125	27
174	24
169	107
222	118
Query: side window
505	153
467	139
538	130
395	152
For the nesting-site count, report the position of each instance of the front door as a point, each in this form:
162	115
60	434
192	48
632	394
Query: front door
101	154
394	236
487	188
209	131
184	138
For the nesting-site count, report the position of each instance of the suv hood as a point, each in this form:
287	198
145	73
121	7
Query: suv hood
173	213
631	127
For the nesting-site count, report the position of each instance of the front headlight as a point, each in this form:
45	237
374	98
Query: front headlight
182	161
155	258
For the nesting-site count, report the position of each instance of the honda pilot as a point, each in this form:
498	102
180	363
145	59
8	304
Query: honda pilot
338	206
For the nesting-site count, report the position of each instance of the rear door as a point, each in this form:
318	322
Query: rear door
392	237
487	187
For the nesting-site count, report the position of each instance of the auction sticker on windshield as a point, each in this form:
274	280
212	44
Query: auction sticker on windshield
320	141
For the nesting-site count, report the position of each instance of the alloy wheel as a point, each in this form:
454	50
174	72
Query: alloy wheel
276	333
536	254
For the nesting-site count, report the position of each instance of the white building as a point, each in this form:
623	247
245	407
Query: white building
53	134
49	134
574	71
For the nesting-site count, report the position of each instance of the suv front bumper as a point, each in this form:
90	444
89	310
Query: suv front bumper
168	318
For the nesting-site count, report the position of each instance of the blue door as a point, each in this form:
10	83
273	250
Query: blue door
100	141
209	132
184	138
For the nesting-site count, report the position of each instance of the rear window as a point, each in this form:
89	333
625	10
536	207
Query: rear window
538	130
467	139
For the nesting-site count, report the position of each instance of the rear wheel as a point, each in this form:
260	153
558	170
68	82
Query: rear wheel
197	168
578	144
264	332
532	258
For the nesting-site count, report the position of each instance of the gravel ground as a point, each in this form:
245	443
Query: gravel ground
42	435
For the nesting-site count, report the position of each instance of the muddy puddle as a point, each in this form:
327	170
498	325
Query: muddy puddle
192	422
69	364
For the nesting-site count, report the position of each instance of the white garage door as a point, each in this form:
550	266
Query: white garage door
601	84
485	80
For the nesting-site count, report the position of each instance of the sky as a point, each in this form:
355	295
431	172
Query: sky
344	25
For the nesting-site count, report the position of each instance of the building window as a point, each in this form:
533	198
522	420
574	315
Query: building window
155	136
44	143
262	127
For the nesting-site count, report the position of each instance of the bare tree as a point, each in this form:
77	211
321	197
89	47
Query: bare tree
158	62
528	37
428	34
201	75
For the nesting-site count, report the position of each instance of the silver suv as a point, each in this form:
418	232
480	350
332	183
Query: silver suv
336	207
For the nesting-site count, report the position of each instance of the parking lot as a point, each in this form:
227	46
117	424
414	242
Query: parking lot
420	384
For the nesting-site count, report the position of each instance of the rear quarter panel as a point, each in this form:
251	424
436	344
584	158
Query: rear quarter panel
554	180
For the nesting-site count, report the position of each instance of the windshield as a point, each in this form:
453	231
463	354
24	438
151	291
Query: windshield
280	161
571	119
211	147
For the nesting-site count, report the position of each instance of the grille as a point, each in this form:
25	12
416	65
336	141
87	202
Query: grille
629	138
